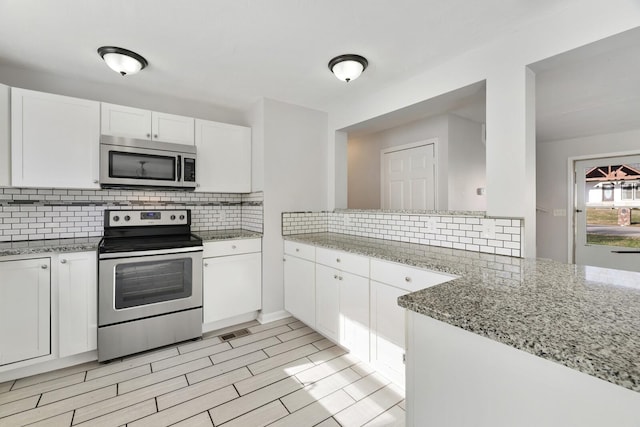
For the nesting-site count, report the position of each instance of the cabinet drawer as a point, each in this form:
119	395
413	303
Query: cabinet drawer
344	261
405	277
231	247
300	250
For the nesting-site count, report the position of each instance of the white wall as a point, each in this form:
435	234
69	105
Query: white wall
295	178
467	168
130	96
510	116
364	159
553	186
461	162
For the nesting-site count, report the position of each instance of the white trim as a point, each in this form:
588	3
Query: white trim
409	146
272	317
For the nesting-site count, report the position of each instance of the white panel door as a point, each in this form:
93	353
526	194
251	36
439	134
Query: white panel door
77	285
54	140
172	128
387	331
25	309
408	177
607	212
327	302
226	151
232	286
129	122
300	289
354	314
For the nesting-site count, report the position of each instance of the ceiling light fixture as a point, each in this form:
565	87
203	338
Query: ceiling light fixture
121	60
348	67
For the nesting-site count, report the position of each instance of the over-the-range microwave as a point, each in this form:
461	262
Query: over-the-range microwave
136	163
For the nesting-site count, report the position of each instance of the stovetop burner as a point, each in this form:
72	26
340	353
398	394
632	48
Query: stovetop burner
147	230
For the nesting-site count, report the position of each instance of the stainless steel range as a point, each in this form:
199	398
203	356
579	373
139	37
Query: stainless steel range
149	281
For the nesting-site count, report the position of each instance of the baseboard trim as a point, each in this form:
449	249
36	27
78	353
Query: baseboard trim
272	317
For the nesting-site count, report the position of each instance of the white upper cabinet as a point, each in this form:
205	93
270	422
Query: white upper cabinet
129	122
5	136
226	151
54	140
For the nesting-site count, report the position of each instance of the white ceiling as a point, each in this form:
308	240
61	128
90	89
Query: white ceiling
592	90
231	52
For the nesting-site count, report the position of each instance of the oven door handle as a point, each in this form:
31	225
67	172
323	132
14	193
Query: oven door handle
170	251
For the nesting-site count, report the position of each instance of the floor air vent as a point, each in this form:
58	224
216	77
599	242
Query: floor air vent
234	334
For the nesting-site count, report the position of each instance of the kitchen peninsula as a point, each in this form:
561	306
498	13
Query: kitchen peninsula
510	341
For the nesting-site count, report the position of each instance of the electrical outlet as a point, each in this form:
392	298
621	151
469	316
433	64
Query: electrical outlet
430	225
488	228
346	221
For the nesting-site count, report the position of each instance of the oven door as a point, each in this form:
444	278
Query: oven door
137	285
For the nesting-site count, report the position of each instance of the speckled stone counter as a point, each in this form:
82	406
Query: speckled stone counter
213	235
585	318
29	247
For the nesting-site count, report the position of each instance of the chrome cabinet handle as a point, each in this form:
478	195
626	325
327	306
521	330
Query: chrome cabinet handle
337	259
335	276
284	259
95	181
197	185
297	249
148	135
44	266
407	279
339	277
63	261
155	136
206	264
233	246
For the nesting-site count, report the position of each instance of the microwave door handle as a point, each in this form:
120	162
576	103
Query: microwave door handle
179	169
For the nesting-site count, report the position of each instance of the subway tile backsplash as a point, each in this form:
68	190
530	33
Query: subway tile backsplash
44	213
471	232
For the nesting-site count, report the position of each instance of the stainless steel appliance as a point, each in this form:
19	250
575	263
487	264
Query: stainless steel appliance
127	162
149	281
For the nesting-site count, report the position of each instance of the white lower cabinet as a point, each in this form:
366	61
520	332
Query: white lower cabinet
25	309
232	281
354	314
77	302
300	289
342	299
327	302
387	331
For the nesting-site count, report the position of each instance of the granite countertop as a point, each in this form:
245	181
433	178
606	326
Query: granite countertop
585	318
27	247
214	235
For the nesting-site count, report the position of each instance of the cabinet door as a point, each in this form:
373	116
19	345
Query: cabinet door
54	140
387	331
172	128
25	290
300	289
129	122
227	150
327	302
77	284
354	314
232	286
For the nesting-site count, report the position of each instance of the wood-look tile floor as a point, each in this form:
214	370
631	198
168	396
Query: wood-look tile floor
282	374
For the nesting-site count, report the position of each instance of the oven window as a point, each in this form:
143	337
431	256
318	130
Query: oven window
141	283
141	166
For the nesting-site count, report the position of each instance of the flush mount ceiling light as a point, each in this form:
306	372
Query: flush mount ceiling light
121	60
348	67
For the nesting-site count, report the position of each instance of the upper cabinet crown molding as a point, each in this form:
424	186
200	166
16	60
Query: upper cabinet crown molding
129	122
54	140
227	151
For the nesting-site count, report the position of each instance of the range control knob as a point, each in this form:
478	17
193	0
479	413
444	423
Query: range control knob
116	218
173	217
127	217
181	216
